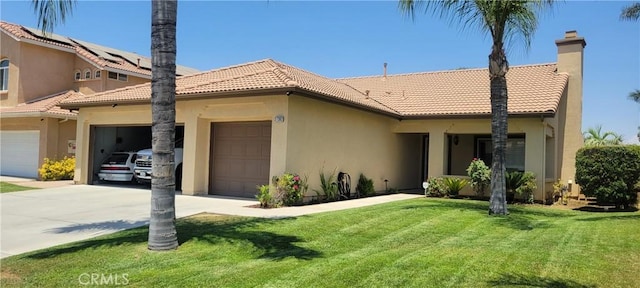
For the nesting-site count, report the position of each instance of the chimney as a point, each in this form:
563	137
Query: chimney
138	62
385	70
569	114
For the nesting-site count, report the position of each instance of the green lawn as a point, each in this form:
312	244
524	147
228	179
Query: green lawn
8	187
414	243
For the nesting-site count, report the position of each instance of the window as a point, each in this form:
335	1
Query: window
514	154
4	75
97	74
118	76
77	75
87	74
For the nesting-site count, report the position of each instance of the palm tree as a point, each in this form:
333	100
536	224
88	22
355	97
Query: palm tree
595	137
162	230
504	21
162	226
635	95
631	12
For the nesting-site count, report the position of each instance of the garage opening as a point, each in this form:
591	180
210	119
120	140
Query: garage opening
105	140
240	157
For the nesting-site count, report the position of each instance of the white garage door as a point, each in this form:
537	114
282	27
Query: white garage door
241	153
19	153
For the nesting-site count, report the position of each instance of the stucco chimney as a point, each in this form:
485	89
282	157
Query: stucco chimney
385	70
569	114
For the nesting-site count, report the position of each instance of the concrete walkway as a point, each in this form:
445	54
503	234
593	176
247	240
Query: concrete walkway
28	182
43	218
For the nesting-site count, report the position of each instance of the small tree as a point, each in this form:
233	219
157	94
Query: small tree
595	137
480	176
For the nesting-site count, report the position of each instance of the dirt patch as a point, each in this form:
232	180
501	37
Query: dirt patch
9	277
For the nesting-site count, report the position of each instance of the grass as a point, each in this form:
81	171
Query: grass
413	243
8	187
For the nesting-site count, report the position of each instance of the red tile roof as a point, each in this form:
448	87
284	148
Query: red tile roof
533	89
105	57
45	106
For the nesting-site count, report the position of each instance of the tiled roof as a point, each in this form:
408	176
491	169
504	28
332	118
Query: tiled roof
101	56
44	106
253	76
533	89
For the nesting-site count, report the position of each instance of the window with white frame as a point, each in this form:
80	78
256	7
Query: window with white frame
97	74
87	74
77	75
4	75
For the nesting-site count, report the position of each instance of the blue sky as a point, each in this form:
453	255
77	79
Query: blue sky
343	39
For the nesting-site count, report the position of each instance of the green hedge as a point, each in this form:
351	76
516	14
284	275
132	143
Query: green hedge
609	173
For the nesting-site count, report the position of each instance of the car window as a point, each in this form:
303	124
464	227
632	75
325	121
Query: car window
133	158
117	159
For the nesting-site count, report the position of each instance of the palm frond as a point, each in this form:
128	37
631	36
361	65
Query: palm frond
505	21
635	95
631	12
51	13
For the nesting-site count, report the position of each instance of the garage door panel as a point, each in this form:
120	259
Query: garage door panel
241	156
19	153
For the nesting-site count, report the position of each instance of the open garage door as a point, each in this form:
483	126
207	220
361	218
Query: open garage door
240	158
19	153
108	139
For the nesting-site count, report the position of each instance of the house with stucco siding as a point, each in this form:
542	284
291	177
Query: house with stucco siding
244	124
37	72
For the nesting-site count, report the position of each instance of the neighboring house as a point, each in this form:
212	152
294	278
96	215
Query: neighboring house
243	125
36	73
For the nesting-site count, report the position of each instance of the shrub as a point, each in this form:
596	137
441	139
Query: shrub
527	186
480	176
609	173
290	189
513	180
328	186
57	170
453	185
365	186
436	187
264	196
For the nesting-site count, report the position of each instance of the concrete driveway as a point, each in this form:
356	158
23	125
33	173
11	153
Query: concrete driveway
43	218
37	219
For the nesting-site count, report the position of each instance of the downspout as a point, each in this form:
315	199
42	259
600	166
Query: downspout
544	161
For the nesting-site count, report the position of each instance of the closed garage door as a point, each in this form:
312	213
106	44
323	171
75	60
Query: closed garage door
240	157
19	153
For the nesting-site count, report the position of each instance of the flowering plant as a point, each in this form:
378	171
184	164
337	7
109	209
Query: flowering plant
290	189
480	176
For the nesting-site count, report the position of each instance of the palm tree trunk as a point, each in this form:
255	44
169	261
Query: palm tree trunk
162	229
498	67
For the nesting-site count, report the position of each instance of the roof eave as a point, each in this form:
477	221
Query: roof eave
547	114
335	100
7	115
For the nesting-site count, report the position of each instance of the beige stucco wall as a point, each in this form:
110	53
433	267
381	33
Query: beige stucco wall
54	134
324	135
111	84
354	141
570	60
533	128
197	116
10	50
43	71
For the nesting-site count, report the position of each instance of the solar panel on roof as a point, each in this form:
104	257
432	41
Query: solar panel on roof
96	49
51	36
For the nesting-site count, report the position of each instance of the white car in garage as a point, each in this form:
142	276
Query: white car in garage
118	167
